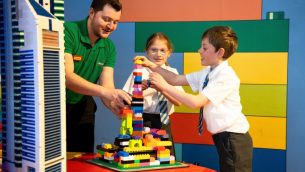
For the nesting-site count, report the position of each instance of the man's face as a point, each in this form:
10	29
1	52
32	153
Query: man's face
104	22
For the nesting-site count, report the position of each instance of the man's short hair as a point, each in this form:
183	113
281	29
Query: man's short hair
98	5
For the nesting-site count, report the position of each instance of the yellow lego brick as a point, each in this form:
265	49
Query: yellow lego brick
107	146
164	143
135	143
140	62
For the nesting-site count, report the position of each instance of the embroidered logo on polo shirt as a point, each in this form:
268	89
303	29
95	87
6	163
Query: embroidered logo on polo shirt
100	64
77	58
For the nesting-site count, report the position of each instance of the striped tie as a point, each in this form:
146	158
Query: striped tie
163	108
200	123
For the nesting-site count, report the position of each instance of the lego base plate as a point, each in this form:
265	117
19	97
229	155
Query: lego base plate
114	166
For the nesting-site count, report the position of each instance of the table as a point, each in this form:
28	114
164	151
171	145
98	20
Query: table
79	164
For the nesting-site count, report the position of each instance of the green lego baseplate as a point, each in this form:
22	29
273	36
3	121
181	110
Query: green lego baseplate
114	166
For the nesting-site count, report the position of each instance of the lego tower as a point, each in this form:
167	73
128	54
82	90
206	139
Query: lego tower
33	85
137	101
135	147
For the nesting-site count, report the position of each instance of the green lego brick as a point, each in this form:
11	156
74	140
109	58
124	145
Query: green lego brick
279	15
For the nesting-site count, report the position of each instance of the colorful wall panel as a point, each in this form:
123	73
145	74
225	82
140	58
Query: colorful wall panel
266	132
252	67
254	35
195	10
261	62
261	157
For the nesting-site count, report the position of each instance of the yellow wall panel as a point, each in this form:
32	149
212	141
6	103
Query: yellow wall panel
252	68
191	62
260	68
268	132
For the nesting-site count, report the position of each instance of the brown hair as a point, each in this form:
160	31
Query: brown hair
222	37
98	5
161	36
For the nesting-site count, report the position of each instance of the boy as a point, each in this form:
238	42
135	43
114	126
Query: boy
218	97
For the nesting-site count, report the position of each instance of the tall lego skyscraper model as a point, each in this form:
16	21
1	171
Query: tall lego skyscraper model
33	85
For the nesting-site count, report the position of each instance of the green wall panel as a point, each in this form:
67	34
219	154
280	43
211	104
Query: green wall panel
254	35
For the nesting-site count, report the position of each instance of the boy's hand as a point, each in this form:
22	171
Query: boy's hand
145	61
157	81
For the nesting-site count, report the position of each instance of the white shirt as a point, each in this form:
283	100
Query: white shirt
151	101
224	112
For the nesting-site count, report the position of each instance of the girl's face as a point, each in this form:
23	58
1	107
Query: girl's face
209	57
158	52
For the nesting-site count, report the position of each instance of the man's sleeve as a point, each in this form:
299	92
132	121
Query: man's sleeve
69	39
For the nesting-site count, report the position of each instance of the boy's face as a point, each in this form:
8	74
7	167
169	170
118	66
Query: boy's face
208	55
104	22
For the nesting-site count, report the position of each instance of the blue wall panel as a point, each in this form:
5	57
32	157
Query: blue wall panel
263	157
206	155
76	9
294	11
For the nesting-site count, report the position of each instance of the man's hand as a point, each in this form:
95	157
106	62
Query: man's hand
116	100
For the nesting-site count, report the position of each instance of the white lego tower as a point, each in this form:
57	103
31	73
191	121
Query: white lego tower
33	77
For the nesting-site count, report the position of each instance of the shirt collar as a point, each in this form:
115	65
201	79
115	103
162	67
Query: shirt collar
84	36
218	68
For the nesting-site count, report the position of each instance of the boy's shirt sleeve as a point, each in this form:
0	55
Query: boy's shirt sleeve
193	80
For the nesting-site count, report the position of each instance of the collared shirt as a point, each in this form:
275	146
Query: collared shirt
151	101
224	112
88	59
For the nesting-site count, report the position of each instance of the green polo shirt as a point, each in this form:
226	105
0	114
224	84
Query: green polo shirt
88	60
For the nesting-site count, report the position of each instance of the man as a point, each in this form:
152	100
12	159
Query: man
89	58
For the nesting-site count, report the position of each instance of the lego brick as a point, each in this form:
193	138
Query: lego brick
275	15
